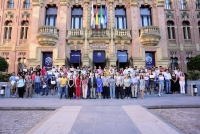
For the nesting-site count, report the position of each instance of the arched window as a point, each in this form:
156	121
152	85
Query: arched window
171	30
186	30
24	30
168	4
183	4
174	62
8	30
26	4
10	4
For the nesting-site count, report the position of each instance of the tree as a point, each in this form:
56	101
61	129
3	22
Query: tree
3	64
194	63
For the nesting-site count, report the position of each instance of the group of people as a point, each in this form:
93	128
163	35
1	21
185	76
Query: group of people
97	82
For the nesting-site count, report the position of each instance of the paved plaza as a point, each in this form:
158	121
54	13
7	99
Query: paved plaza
105	116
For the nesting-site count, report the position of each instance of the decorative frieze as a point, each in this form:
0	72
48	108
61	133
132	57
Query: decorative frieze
133	2
64	3
99	46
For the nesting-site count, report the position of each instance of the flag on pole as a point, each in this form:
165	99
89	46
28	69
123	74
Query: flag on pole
92	15
105	16
101	16
97	18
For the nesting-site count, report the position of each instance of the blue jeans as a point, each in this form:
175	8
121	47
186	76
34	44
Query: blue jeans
58	86
37	87
168	86
63	89
147	84
46	89
112	91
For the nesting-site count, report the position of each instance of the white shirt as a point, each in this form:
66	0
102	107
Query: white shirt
56	74
131	70
168	76
125	72
157	72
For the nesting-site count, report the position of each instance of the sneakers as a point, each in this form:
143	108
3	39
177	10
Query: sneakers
159	95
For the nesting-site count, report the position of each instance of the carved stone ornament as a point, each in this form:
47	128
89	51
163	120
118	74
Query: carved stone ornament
9	15
185	15
169	15
133	2
64	3
25	15
38	3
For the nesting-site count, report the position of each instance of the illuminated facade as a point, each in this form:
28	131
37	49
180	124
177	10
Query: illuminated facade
60	32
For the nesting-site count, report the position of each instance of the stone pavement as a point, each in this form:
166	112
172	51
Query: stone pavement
102	115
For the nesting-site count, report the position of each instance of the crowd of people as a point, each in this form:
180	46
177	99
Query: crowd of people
87	83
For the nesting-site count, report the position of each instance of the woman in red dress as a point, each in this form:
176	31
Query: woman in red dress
78	86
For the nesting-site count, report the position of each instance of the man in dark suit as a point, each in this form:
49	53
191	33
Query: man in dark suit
92	86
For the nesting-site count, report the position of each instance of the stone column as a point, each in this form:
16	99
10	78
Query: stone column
86	20
113	58
36	19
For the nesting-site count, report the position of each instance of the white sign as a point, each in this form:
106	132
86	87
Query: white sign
99	46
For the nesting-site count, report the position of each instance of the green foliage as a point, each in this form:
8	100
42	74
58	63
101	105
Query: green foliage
194	63
193	75
4	77
3	64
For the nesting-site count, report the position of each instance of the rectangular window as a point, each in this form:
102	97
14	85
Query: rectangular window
26	4
10	4
51	15
145	16
184	32
77	18
120	18
99	20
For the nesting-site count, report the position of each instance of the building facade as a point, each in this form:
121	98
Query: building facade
62	32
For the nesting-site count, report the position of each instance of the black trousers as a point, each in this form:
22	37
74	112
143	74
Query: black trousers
21	92
105	92
119	90
70	91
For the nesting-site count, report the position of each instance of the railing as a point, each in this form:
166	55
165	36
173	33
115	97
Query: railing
188	41
48	30
99	33
47	35
122	33
75	32
172	41
6	41
150	35
149	30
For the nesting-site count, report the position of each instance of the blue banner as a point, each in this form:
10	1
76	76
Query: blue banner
47	59
150	59
75	57
98	56
122	56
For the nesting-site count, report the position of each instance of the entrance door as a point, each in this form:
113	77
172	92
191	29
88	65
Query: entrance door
150	59
99	59
122	59
47	59
75	58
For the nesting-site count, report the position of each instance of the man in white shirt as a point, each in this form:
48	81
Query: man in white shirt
130	69
168	78
134	86
125	72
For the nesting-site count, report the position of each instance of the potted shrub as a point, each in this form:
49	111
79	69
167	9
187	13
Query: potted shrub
193	75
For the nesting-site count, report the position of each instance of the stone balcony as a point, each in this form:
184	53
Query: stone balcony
47	35
99	35
75	35
150	35
122	35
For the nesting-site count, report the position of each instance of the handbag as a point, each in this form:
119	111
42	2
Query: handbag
44	86
53	82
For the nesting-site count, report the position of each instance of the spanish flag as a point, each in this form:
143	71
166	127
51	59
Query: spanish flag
97	18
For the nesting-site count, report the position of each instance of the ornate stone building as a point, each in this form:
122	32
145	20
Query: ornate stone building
138	32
